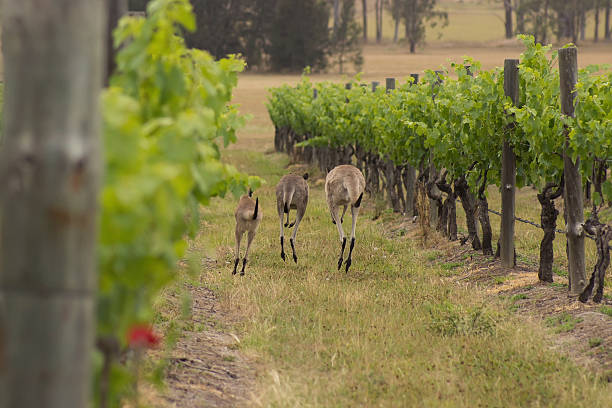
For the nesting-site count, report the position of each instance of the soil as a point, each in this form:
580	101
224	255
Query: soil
587	339
205	368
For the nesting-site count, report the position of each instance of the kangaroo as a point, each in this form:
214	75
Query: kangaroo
248	216
291	193
344	186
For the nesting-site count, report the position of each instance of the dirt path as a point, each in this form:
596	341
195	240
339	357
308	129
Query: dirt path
205	368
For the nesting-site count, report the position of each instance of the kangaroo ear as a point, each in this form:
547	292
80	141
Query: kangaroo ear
250	192
305	176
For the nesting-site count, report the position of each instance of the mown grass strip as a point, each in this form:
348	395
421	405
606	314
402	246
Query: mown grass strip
391	332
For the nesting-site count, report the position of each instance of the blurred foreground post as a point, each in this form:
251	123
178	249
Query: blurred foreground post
50	175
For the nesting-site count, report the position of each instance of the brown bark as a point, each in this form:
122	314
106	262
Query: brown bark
468	201
596	30
450	209
548	218
508	20
50	171
436	201
409	177
607	30
390	185
603	236
365	20
483	215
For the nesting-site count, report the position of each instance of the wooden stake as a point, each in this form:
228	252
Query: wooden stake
508	181
568	72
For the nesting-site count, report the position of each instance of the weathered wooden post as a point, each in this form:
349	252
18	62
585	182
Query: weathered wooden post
415	78
375	85
508	179
568	72
50	173
389	83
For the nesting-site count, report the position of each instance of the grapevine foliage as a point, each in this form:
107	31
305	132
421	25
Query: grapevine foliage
459	120
165	114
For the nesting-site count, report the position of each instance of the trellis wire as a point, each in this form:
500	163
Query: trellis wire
519	219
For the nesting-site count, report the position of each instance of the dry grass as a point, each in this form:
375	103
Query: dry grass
392	332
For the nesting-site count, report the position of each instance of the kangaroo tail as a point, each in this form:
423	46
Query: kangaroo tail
358	202
256	208
287	198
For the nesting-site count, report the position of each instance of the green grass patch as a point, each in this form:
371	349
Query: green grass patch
564	322
500	279
595	342
518	296
607	310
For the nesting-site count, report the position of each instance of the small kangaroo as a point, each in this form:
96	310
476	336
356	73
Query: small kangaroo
344	186
248	216
291	193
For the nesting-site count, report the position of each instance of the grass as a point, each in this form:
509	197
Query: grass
595	342
607	310
388	333
564	322
519	296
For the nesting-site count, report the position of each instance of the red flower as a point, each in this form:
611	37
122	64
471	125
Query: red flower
142	336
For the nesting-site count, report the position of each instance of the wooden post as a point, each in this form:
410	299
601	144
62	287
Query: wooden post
415	77
50	173
389	84
568	71
508	179
315	93
375	85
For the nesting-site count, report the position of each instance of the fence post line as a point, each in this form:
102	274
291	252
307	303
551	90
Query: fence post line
508	179
415	77
572	194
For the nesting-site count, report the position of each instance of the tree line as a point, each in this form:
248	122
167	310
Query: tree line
560	18
288	35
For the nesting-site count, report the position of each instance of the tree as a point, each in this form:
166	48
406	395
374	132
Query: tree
364	10
345	40
299	35
378	4
607	21
508	20
416	13
395	8
596	33
50	167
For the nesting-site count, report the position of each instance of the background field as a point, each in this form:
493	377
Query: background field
470	21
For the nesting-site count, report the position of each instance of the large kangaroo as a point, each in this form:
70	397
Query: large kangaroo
291	193
248	216
344	186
